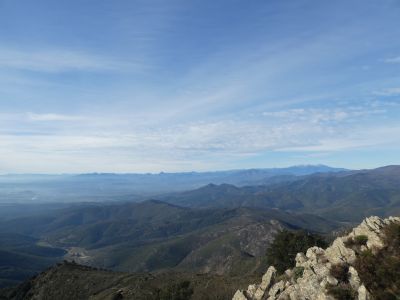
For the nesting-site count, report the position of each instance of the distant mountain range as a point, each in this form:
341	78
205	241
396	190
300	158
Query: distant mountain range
340	196
113	187
218	228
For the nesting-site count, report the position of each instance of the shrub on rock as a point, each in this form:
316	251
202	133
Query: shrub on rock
282	252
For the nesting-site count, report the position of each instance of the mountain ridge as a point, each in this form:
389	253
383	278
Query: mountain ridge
346	196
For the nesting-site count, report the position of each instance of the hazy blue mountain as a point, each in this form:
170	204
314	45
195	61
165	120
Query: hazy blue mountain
135	187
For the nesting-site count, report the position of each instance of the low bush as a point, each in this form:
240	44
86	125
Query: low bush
342	292
179	291
380	272
298	272
340	272
361	240
349	243
392	238
282	252
357	241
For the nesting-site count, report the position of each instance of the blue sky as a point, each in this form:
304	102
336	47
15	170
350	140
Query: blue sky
149	86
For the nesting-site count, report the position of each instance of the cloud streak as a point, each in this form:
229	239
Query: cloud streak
51	117
393	60
60	60
389	92
184	146
329	115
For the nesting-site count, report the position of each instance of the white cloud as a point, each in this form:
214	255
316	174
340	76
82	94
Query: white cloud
110	142
189	146
393	60
224	137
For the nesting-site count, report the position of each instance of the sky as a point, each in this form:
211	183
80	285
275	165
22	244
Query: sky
194	85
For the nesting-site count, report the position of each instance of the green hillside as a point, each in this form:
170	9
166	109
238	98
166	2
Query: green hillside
154	236
71	281
218	229
21	258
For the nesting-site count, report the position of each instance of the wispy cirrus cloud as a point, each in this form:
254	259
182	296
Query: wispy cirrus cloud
360	138
185	146
30	117
53	117
328	115
216	83
301	130
60	60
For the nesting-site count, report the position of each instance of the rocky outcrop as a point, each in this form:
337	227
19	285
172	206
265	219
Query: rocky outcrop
312	275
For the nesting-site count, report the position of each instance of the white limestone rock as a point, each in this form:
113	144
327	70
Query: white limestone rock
239	296
251	291
363	294
317	263
276	289
354	279
300	259
266	282
338	253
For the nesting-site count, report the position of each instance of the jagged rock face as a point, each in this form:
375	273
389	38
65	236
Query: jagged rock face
316	267
371	227
257	291
338	253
